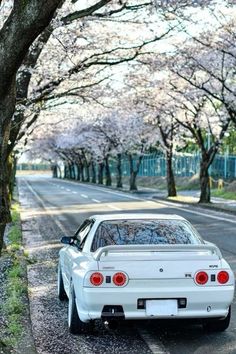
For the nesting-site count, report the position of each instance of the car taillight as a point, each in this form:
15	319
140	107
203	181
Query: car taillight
96	279
201	278
119	279
223	277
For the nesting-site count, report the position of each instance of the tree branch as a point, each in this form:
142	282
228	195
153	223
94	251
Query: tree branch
85	12
95	60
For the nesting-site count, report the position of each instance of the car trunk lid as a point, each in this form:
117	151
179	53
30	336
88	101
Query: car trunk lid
159	261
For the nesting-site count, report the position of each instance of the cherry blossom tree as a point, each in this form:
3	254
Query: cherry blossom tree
205	89
152	100
47	74
207	123
22	22
201	95
129	135
82	144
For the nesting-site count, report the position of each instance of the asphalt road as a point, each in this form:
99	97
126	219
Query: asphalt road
52	208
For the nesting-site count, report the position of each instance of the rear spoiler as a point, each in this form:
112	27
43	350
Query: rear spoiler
210	247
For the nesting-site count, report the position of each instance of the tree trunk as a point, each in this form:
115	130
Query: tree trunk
205	194
107	172
134	172
54	171
5	215
171	188
65	171
82	172
73	171
7	104
100	172
2	230
59	169
78	175
119	183
69	171
87	172
11	174
132	182
93	166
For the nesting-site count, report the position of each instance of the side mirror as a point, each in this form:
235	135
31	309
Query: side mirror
67	240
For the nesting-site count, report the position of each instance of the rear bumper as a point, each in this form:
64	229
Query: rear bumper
208	302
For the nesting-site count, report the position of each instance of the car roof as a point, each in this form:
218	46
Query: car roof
137	216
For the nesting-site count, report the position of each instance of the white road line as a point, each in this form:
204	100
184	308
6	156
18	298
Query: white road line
84	195
106	190
68	190
116	193
57	222
113	207
62	187
96	201
153	343
75	192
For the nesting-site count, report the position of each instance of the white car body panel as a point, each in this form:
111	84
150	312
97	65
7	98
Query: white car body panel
153	272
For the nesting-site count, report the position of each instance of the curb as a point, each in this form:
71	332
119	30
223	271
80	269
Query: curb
210	206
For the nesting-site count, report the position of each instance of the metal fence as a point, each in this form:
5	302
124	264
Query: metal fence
185	165
224	166
33	167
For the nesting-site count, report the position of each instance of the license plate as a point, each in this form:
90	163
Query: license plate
161	307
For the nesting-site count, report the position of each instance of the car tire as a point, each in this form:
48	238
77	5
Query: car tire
76	326
60	285
218	325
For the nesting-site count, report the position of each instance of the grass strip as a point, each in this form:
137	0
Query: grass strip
16	286
223	194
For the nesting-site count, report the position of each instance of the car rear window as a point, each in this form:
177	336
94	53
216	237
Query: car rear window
144	232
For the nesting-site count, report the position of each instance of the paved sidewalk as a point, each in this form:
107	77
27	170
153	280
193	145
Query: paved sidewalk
192	197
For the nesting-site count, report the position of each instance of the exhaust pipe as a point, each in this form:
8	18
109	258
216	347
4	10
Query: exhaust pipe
112	315
111	324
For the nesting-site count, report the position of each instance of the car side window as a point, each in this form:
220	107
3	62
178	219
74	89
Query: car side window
83	232
82	228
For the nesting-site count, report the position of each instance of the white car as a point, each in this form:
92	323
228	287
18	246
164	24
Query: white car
143	266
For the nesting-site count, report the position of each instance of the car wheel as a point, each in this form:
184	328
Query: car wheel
60	285
75	325
218	325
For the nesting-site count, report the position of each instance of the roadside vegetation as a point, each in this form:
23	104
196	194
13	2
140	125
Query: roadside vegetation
13	284
187	183
224	194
